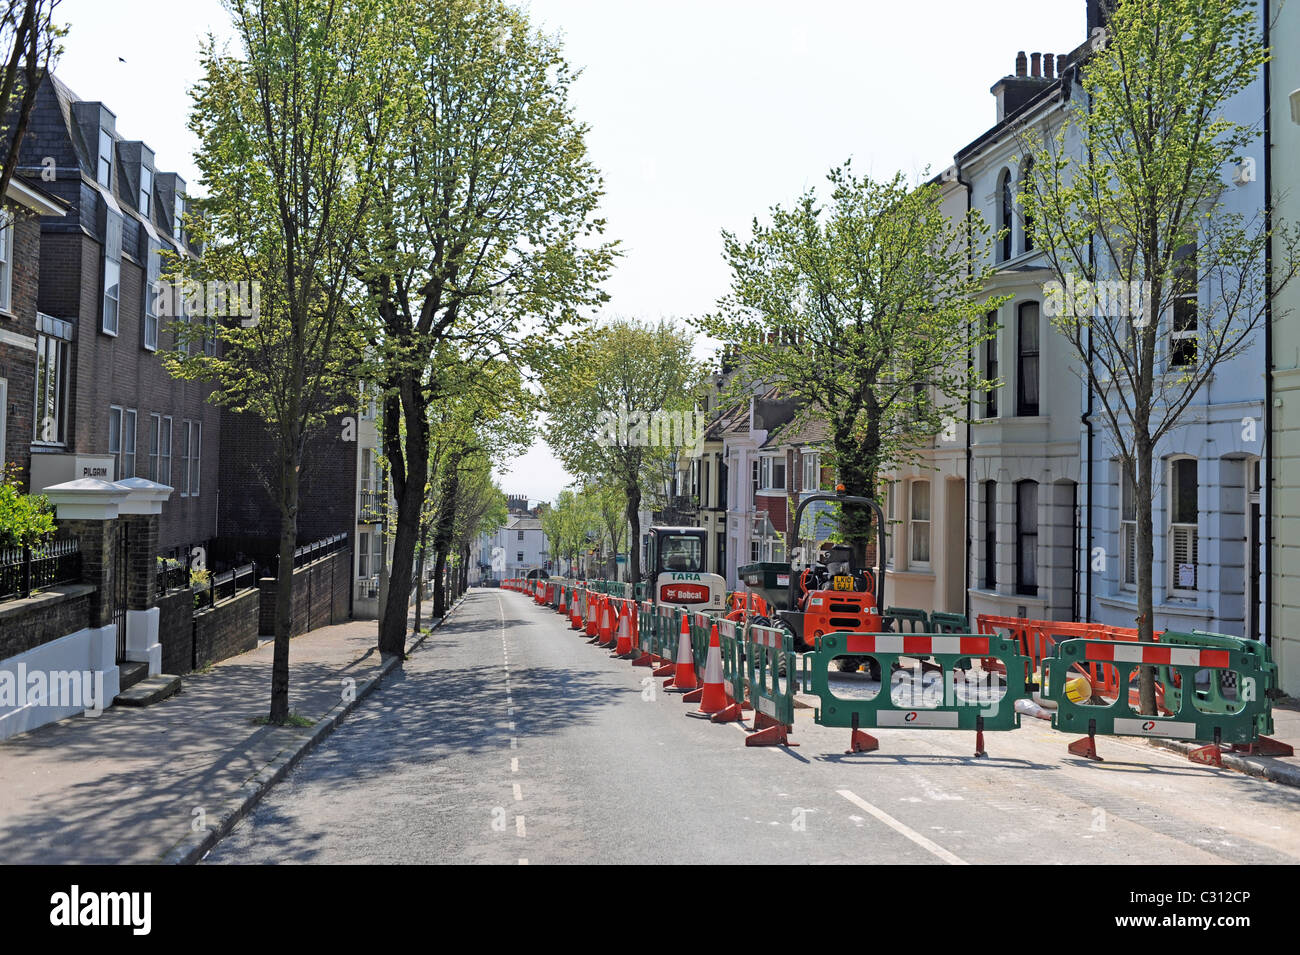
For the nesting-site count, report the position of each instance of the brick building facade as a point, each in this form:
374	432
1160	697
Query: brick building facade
99	269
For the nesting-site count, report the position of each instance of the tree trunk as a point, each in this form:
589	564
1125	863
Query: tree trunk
445	528
1145	568
289	484
419	576
410	466
634	538
859	463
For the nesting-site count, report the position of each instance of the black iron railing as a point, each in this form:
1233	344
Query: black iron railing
317	549
372	508
24	569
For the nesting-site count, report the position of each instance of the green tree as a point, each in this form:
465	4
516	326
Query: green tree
25	519
485	240
609	401
1130	191
286	129
864	311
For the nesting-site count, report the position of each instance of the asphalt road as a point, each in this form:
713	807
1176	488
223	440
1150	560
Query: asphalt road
506	738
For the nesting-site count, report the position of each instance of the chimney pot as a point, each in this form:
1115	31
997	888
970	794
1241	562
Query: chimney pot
1021	63
1049	65
1036	64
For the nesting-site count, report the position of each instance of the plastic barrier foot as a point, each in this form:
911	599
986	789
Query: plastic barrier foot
862	742
644	660
1210	755
665	670
1264	746
769	732
729	714
693	696
1086	746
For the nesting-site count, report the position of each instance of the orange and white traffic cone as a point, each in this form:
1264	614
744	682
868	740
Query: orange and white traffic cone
605	628
562	609
575	612
683	680
713	698
623	648
592	602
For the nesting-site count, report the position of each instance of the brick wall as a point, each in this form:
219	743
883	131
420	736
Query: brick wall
228	629
176	630
59	611
320	595
250	484
18	362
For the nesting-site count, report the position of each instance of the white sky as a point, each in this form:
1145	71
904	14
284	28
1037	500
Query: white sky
703	114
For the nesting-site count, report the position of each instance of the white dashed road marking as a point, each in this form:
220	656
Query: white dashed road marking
931	847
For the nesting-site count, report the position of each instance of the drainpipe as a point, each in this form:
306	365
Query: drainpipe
1087	419
970	409
1265	618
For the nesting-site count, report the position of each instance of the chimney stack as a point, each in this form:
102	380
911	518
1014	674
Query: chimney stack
1021	63
1036	64
1049	65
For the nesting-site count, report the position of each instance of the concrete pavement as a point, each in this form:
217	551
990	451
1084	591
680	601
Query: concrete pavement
507	738
132	784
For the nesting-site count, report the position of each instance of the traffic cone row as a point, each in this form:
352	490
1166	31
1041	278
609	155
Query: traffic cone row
612	624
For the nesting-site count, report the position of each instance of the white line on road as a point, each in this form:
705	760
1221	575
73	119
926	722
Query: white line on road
519	826
887	819
523	862
514	765
519	793
514	742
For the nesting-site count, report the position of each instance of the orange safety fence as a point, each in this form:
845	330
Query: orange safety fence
1038	639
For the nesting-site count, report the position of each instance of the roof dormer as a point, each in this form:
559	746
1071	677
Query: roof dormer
98	127
137	185
170	190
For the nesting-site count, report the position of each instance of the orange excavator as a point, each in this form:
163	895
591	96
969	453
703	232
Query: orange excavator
829	593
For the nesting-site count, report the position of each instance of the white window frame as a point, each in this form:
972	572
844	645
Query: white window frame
6	261
178	211
811	471
196	457
1187	532
889	523
918	528
111	319
53	335
124	452
363	557
104	160
153	278
146	191
165	451
4	416
1127	531
1181	294
155	440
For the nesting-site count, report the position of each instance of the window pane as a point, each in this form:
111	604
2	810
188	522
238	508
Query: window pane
1028	384
104	173
196	448
1184	492
921	501
1128	507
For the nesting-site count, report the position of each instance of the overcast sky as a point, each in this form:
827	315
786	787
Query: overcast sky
703	113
